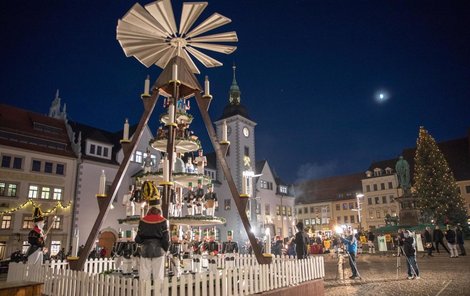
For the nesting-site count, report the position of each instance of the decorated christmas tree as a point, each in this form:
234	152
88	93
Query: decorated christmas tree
436	190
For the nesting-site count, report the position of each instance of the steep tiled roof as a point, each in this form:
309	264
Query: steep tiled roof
329	189
28	130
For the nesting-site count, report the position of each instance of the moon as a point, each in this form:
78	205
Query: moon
381	96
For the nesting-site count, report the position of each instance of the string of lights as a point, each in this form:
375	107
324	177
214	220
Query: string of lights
58	205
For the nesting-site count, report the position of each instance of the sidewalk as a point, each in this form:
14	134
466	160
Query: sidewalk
440	275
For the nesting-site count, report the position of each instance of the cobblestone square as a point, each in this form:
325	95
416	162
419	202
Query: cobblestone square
439	275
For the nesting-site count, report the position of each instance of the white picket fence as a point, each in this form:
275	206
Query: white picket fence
92	266
241	280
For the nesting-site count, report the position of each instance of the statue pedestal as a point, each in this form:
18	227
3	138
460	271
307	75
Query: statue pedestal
409	213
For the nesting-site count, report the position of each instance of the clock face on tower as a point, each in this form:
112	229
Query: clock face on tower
246	132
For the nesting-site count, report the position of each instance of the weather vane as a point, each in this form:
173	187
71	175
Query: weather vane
150	34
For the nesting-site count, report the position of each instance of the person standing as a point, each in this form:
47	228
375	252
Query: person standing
438	238
410	253
36	239
152	235
277	247
301	241
351	243
229	249
212	248
428	241
370	242
460	240
451	240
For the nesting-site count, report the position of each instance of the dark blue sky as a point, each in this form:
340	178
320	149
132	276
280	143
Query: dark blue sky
308	72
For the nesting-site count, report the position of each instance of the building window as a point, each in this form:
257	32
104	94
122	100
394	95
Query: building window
247	151
7	189
289	211
346	219
258	208
138	156
27	222
375	187
345	206
92	149
312	209
11	190
60	169
55	247
382	186
283	210
36	167
263	184
6	222
18	163
299	211
368	188
392	200
352	219
377	200
305	210
2	188
57	194
390	185
283	189
278	210
384	199
105	151
369	200
48	167
57	222
99	150
267	209
270	185
338	207
314	221
33	191
25	247
338	219
6	160
45	192
227	204
307	222
467	189
371	214
377	214
351	205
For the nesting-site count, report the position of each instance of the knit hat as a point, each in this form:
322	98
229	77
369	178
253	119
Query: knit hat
38	215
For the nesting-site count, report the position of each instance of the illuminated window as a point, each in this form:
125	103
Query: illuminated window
6	222
283	210
46	193
11	190
278	210
57	194
55	247
2	188
289	211
283	189
27	222
33	191
138	156
57	222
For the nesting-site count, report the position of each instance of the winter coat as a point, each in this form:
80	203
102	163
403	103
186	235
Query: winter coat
408	247
450	236
153	236
301	241
459	236
351	243
437	235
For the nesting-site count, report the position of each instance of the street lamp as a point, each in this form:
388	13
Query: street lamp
359	208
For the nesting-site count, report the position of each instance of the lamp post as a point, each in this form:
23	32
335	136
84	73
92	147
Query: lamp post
359	209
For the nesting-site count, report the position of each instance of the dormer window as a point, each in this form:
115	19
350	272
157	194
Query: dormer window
99	150
283	189
377	172
368	174
388	171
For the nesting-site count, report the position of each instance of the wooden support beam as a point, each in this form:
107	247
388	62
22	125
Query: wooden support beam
203	104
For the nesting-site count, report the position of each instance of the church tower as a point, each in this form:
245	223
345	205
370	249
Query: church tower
240	134
240	156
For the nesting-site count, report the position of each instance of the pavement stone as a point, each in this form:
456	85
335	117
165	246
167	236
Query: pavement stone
439	276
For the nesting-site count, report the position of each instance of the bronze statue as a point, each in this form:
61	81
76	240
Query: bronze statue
403	173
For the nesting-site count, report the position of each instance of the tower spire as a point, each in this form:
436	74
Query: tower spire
234	93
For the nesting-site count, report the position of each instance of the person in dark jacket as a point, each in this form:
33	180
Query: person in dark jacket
451	242
460	240
153	237
371	242
438	238
301	241
277	248
428	241
410	253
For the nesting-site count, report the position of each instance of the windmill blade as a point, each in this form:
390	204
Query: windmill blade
152	56
191	11
190	62
214	21
166	57
203	58
227	49
139	17
127	31
163	12
222	37
143	52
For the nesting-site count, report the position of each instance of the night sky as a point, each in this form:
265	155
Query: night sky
310	73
